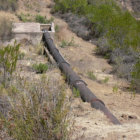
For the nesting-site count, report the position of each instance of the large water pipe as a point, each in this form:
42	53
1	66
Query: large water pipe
75	81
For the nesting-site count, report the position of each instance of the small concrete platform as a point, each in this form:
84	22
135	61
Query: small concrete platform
26	28
31	31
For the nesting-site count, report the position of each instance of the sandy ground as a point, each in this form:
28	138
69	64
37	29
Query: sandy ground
89	124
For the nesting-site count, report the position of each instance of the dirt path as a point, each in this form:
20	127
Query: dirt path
91	124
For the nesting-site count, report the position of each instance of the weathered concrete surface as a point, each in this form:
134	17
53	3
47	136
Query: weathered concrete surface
31	31
26	27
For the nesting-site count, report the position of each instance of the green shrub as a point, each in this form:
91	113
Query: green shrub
76	92
8	60
8	5
43	20
76	6
115	89
91	75
63	44
37	18
106	79
57	29
40	19
5	29
25	17
40	68
66	43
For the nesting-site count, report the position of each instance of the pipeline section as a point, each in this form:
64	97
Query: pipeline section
75	81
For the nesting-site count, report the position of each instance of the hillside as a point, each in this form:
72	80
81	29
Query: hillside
36	105
134	4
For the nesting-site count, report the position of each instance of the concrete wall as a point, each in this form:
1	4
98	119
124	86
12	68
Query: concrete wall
31	31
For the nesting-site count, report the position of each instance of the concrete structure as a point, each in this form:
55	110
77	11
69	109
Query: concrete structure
31	31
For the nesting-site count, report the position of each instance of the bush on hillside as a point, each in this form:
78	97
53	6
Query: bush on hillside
40	68
42	19
107	19
36	113
76	6
8	60
25	17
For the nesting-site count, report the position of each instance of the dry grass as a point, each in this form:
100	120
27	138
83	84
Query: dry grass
35	112
8	5
5	29
8	15
39	49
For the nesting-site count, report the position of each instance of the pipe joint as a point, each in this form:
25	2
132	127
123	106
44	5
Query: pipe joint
97	100
63	62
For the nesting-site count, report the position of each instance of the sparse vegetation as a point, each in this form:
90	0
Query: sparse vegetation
40	19
21	55
8	60
35	113
36	106
66	43
106	79
25	17
40	68
57	29
43	19
34	18
5	29
40	49
63	44
91	75
115	89
76	92
8	5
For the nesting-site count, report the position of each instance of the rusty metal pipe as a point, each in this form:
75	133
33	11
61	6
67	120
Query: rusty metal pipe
75	81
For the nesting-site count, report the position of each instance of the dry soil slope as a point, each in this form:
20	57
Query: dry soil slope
90	123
